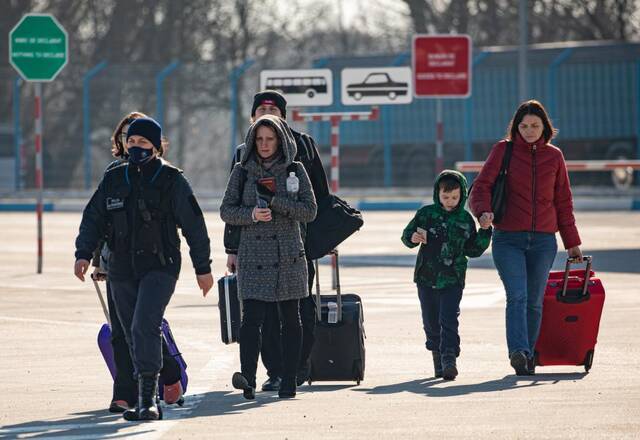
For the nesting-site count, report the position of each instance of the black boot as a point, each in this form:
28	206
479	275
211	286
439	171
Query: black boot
271	384
287	388
146	409
437	364
303	373
449	370
248	387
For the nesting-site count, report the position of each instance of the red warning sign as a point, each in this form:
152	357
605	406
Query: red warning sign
442	66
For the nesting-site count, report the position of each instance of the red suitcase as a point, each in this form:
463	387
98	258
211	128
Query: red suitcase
571	312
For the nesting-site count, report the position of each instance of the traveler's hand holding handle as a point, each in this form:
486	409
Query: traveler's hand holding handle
98	274
232	260
575	254
486	219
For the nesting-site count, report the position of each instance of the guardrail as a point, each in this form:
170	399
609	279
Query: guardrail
621	170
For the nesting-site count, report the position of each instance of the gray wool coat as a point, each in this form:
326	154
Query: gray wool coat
271	261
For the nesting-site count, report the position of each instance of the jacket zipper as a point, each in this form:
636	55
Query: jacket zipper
133	223
533	189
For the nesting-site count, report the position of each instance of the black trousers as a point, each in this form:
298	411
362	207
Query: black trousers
440	312
253	318
124	385
140	305
271	349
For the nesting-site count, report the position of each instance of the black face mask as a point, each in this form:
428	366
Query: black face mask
139	155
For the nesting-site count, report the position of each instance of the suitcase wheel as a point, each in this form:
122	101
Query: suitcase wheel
180	402
358	382
588	361
309	382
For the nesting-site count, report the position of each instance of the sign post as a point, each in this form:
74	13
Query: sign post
441	69
38	50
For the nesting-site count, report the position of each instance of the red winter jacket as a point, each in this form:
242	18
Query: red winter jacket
538	192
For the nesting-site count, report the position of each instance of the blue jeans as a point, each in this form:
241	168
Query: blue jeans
440	310
523	260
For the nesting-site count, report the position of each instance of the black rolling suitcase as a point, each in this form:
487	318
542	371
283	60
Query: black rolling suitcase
230	308
338	352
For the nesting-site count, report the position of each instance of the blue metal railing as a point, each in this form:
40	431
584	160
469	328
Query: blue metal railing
86	120
160	77
234	77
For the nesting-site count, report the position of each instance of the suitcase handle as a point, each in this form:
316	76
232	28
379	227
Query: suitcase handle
565	281
338	290
104	306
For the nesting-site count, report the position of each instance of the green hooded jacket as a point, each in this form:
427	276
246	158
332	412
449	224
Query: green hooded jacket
451	238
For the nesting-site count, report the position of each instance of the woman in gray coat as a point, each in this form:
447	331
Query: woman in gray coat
271	262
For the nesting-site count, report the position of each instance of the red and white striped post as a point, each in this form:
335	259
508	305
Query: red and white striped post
335	118
39	180
439	138
335	156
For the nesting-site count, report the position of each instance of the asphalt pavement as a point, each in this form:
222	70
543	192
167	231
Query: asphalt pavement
56	385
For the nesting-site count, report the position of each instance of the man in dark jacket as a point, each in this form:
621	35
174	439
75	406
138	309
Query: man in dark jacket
273	103
138	208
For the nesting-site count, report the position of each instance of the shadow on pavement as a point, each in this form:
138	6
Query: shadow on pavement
451	389
89	424
604	260
315	387
219	403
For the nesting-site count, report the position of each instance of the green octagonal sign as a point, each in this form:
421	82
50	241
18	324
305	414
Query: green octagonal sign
38	47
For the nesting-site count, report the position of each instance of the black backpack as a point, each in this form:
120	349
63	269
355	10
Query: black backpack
335	222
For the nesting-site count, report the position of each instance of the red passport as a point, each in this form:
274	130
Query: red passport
269	182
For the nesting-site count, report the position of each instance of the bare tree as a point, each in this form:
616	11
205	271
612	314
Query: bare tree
494	22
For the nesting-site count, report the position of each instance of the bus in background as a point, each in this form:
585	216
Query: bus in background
303	85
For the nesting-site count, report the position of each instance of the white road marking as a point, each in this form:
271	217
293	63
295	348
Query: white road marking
220	363
474	297
49	321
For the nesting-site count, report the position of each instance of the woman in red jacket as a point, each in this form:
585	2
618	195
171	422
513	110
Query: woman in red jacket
539	204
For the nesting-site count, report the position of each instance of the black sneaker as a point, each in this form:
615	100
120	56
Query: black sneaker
240	382
287	389
519	363
531	366
272	384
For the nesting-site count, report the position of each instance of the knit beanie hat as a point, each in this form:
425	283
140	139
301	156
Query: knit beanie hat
148	128
269	97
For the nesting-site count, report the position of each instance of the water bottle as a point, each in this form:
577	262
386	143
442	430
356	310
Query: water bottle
293	185
332	317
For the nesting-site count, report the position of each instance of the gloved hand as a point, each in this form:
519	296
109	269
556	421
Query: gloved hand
265	193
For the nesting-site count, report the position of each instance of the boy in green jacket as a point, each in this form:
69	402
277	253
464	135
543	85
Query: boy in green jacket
447	235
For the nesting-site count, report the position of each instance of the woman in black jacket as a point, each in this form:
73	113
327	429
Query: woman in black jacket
138	207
